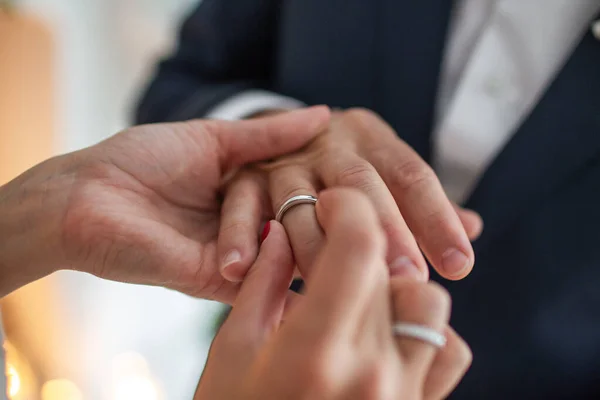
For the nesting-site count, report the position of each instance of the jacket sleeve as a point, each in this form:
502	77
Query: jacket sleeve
226	47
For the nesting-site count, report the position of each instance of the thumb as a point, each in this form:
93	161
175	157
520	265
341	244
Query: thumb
259	306
242	142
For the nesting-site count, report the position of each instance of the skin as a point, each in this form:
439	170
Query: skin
336	341
144	207
358	150
141	207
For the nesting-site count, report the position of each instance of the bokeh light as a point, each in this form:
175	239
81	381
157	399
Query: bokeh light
14	381
61	389
132	379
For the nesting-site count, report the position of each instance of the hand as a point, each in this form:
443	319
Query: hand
358	150
142	206
336	341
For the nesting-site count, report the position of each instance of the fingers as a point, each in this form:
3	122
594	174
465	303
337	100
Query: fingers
449	366
422	304
241	217
242	142
404	256
426	209
351	264
259	306
300	222
471	221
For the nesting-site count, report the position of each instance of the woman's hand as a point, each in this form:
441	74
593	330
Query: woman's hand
143	206
335	342
358	150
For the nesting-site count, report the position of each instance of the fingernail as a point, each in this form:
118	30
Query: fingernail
265	231
454	262
403	266
231	258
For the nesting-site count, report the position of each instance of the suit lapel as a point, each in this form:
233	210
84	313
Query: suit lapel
411	36
558	138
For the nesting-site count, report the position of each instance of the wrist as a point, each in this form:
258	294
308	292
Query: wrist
31	210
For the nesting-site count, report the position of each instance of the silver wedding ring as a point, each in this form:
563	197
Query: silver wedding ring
420	332
293	202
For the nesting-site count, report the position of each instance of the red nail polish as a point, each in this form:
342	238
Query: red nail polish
265	231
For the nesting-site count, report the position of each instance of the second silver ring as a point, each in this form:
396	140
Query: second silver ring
293	202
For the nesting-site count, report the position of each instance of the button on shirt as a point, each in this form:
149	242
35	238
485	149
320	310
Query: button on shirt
500	57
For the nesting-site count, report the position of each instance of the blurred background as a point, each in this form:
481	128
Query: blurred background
70	72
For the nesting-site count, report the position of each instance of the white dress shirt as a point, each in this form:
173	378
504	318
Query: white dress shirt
500	57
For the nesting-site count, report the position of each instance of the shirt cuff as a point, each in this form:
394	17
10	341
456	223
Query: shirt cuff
250	102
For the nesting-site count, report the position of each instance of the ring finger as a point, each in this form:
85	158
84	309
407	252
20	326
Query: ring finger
422	305
300	221
449	366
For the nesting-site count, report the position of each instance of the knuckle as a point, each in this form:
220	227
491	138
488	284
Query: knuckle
411	174
436	218
391	226
289	192
378	382
435	298
362	116
285	189
321	373
462	356
441	222
210	126
208	133
370	126
428	297
359	175
235	228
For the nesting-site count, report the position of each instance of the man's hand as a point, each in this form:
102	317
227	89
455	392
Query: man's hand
142	206
358	150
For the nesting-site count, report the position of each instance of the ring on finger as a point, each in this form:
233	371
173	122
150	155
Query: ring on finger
292	202
420	332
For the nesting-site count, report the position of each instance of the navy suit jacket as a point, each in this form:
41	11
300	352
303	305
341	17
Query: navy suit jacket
531	308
